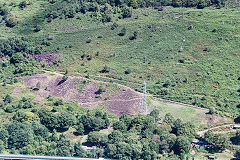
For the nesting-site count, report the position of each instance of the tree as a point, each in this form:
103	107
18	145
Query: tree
126	12
212	110
105	69
95	138
111	150
2	146
182	145
119	125
40	130
17	58
78	150
203	3
126	119
11	22
20	135
115	137
155	113
237	154
169	119
7	99
64	147
187	130
4	136
124	151
122	32
177	3
23	4
80	129
219	141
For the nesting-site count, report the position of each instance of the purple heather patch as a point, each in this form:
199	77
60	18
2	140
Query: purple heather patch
119	102
47	58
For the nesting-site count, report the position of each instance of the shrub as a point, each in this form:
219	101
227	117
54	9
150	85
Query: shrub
37	28
105	69
114	26
123	32
126	12
135	34
7	99
11	22
212	110
58	102
128	71
23	4
89	41
100	90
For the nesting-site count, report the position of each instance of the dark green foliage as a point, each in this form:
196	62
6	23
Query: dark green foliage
182	145
11	22
203	3
78	150
119	125
219	141
40	130
128	71
105	69
212	110
115	137
3	10
63	146
2	146
23	4
58	102
93	122
10	108
95	138
126	119
4	136
123	32
7	99
169	119
237	154
60	122
100	90
20	135
127	12
80	129
37	28
187	130
17	58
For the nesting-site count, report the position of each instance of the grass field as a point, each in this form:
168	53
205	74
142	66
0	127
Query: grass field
184	54
197	65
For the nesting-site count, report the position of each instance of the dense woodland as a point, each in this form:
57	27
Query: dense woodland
41	132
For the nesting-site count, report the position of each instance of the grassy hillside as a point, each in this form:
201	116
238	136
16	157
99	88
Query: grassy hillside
184	54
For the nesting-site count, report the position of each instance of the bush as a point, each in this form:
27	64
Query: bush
123	32
11	22
7	99
135	34
23	4
128	71
105	69
212	110
126	12
58	102
37	28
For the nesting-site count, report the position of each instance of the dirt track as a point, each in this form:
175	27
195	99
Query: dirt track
158	99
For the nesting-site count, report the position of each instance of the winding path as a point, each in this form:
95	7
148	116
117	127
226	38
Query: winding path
158	99
201	133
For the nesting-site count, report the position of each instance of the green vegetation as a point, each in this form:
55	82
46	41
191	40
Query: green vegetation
186	50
